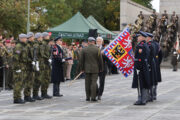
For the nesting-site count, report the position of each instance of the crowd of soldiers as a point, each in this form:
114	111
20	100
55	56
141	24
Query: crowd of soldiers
33	61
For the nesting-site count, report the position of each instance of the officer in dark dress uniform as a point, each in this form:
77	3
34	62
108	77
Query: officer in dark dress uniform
141	79
57	74
152	65
158	60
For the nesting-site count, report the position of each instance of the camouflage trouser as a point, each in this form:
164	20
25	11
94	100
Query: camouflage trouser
37	82
18	84
45	81
29	80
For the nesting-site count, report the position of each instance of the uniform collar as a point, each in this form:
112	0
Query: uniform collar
59	45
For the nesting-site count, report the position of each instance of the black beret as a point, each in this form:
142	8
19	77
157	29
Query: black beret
56	39
141	33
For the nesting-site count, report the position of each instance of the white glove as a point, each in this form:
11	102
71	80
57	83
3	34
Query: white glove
50	61
33	63
18	71
37	66
63	60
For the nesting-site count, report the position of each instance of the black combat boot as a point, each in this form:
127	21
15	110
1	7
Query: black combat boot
94	100
37	98
46	96
29	99
19	101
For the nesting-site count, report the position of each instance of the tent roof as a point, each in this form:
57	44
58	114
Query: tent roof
94	22
77	24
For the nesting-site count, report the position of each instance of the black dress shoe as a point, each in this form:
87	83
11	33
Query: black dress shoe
93	100
19	101
87	99
139	103
46	96
29	99
99	97
58	95
154	98
150	100
37	98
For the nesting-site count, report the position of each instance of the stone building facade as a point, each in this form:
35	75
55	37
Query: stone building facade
170	6
129	11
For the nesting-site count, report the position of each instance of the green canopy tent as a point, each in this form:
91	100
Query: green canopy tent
75	28
94	22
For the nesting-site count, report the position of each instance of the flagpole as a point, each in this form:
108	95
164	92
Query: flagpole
28	19
75	78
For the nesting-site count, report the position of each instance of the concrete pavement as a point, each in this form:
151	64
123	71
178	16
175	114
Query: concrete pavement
116	104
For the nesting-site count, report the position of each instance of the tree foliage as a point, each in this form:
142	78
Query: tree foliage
107	12
12	17
146	3
50	13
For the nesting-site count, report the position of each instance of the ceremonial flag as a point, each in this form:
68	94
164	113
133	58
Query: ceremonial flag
120	52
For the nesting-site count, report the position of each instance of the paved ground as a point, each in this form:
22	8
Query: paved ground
116	104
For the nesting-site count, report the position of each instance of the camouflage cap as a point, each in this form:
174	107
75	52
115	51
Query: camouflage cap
44	34
38	35
30	34
22	35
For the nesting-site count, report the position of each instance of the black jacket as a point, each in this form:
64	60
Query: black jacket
57	75
142	53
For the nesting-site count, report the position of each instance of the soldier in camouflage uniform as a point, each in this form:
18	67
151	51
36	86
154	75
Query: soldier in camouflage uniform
3	61
8	70
39	53
30	72
19	70
47	70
